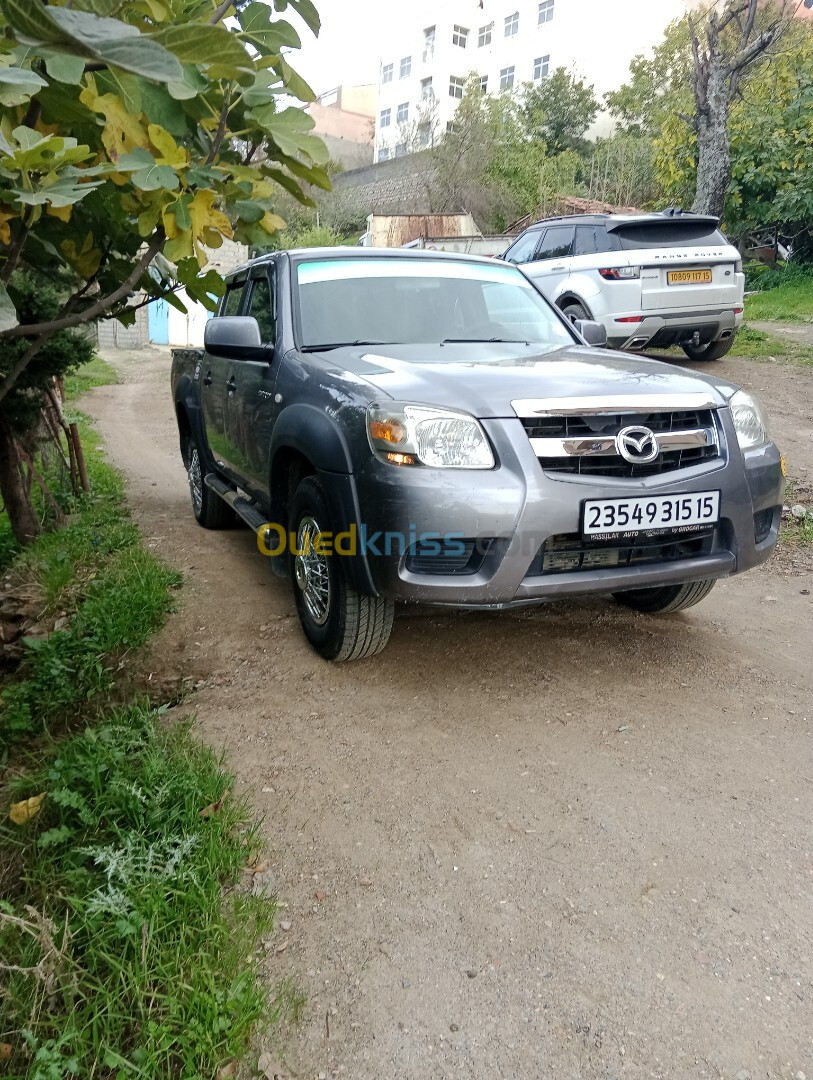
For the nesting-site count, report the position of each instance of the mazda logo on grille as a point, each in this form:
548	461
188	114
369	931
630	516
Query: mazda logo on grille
638	445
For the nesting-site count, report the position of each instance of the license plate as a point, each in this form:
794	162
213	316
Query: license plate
689	277
655	513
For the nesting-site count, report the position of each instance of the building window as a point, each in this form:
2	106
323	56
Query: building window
484	35
484	84
452	128
545	11
427	93
512	24
386	117
406	67
541	66
507	78
424	135
400	149
386	73
384	153
429	43
402	114
455	87
460	36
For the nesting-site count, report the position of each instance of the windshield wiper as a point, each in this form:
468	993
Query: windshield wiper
487	340
342	345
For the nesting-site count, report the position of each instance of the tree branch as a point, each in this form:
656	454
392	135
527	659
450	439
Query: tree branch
221	127
95	310
15	251
220	11
42	332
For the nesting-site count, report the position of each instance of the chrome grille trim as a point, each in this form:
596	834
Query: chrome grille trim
606	446
527	408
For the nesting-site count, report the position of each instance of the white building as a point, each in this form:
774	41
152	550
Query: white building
433	48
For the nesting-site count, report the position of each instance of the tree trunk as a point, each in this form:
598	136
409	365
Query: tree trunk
16	496
713	153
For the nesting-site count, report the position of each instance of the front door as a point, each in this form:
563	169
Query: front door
250	392
215	383
550	267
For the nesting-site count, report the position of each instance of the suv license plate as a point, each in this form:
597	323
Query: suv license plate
657	513
689	277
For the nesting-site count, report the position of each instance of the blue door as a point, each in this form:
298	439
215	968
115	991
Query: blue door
158	322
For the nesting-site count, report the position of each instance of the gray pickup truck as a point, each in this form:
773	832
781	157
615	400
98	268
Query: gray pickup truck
414	426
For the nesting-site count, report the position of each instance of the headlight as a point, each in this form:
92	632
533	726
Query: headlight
442	438
750	421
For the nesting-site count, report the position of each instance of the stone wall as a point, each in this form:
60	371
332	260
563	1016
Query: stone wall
110	334
399	186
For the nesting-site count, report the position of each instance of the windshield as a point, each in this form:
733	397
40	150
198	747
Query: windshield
420	301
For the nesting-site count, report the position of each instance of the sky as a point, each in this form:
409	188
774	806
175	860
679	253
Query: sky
347	49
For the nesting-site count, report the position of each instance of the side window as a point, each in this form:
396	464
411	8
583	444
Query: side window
231	305
606	241
585	240
260	306
523	250
557	244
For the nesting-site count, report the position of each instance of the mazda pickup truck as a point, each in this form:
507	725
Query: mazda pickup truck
416	427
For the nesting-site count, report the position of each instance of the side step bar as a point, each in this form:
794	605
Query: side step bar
249	512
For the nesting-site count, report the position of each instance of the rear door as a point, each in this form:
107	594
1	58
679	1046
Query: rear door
550	268
685	265
250	390
215	373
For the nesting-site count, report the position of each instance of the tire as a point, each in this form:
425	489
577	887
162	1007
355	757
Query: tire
664	599
715	350
209	509
340	622
573	310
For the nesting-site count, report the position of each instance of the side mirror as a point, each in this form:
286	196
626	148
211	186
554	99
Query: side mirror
594	333
235	337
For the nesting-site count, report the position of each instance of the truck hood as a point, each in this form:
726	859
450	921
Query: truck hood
483	379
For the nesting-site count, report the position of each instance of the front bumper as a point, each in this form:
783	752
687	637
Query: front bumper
662	330
517	506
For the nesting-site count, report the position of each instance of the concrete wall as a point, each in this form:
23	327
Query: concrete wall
110	334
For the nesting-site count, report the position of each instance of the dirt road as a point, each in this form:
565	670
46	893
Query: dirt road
566	842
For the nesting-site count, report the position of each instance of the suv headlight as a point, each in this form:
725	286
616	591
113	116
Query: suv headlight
442	438
750	421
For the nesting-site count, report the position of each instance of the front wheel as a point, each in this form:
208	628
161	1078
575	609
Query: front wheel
340	622
715	350
664	599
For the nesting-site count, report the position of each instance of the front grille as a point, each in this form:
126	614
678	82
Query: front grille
604	425
570	552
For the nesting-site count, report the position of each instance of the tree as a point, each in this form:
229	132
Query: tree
725	44
659	85
136	135
558	110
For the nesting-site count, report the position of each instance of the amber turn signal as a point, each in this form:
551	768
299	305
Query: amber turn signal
389	431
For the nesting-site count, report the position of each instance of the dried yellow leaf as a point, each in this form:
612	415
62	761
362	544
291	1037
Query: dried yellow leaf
21	812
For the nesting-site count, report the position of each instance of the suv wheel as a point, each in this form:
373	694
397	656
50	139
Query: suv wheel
664	599
713	351
339	622
574	311
209	509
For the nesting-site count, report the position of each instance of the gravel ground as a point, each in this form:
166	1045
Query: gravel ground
567	842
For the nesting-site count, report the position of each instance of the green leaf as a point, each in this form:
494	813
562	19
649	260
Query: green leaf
266	34
190	86
8	313
163	108
289	128
18	85
306	9
81	33
128	88
52	837
295	83
63	67
200	43
248	210
290	185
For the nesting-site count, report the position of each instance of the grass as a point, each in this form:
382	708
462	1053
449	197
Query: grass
127	947
792	302
796	532
129	960
756	344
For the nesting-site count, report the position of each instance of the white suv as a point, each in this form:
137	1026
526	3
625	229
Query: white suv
652	280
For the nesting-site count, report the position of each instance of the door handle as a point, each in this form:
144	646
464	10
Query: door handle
554	268
231	385
207	379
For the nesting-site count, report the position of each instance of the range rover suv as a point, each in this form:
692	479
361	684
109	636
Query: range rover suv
652	281
423	427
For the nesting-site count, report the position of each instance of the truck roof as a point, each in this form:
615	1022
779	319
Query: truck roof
298	254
